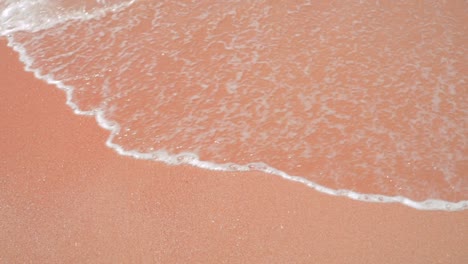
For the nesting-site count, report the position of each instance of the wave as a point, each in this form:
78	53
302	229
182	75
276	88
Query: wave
249	86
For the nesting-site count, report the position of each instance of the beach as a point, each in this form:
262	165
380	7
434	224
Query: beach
67	198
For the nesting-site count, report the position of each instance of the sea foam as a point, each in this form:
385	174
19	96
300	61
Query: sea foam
239	86
36	15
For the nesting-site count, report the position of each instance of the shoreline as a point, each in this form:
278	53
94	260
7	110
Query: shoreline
66	197
193	159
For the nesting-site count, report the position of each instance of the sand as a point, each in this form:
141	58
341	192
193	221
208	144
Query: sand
67	198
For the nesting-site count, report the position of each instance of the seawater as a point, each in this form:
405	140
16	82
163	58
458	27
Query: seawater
353	98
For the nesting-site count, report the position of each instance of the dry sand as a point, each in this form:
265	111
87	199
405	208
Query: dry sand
67	198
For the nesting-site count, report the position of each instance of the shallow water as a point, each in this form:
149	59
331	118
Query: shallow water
365	99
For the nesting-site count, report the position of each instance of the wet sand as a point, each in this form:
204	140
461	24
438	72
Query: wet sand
67	198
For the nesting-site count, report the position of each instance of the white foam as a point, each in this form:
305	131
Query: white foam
36	15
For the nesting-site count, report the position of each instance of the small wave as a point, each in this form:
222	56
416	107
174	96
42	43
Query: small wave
36	15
